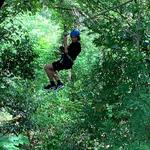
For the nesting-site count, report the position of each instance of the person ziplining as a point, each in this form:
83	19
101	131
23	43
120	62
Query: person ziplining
66	61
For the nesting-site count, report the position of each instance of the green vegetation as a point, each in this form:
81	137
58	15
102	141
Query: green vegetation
106	104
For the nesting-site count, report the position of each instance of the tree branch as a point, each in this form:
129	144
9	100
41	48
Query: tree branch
92	17
111	8
62	8
70	9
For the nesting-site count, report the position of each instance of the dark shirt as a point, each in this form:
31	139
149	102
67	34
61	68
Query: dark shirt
74	50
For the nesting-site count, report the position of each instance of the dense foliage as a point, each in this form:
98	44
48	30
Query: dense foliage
106	105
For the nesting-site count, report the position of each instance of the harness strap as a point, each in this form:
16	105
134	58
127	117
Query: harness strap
61	60
70	58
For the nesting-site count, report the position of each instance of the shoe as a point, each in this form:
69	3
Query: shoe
59	86
50	87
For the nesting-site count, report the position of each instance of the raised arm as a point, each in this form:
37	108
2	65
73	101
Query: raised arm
65	45
1	3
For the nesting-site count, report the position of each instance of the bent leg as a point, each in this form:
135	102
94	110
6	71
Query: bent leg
49	71
56	76
53	75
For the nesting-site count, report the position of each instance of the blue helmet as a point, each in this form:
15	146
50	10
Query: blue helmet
75	33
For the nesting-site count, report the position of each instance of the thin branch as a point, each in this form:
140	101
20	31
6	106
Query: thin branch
123	17
70	9
62	8
96	16
111	8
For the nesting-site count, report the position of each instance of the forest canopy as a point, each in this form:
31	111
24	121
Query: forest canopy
105	104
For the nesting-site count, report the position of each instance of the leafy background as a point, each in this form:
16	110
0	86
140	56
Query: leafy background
106	104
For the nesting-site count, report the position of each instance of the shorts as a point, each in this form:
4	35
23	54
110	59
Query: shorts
63	64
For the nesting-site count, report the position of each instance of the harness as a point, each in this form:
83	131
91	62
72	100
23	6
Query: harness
62	58
70	58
